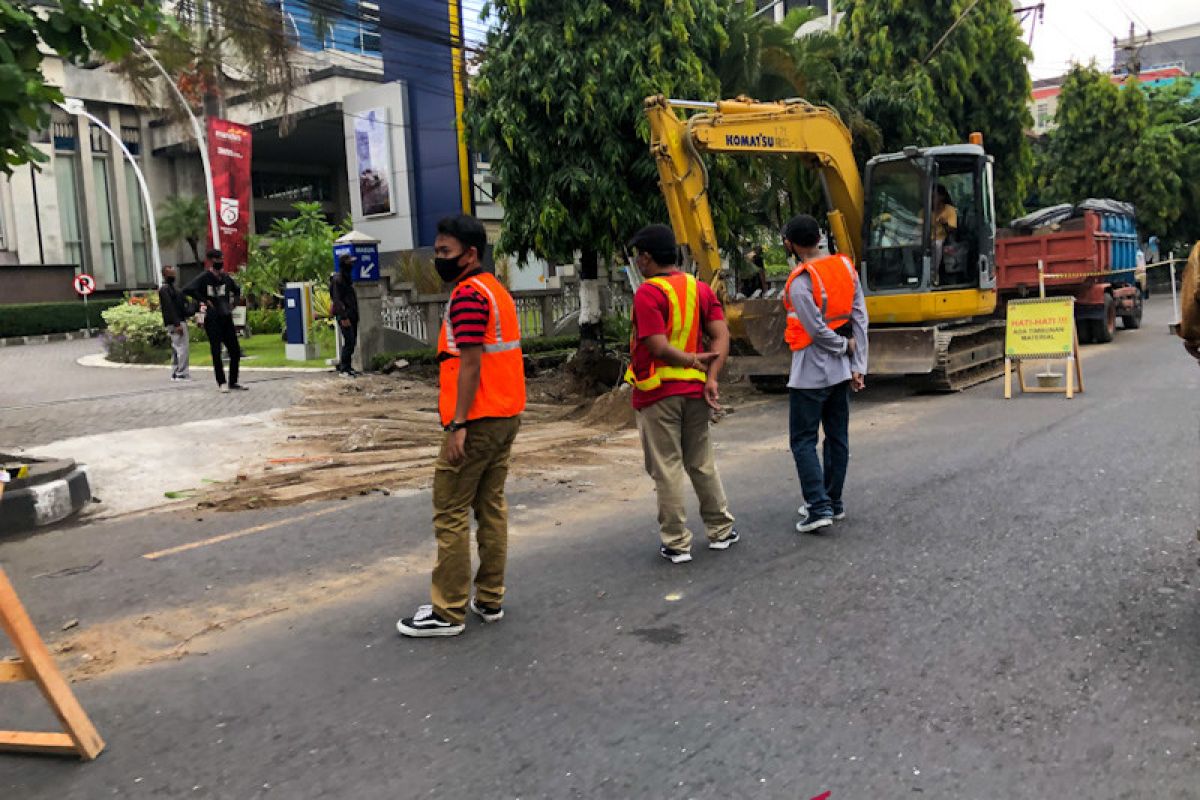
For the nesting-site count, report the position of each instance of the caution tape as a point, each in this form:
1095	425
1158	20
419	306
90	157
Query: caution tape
1112	271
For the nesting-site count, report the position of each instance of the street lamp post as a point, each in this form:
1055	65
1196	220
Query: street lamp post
201	143
74	105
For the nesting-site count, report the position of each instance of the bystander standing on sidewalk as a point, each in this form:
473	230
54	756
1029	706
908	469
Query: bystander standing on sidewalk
343	302
482	395
675	391
175	312
827	333
218	292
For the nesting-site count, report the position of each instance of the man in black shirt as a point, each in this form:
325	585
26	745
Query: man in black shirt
174	308
218	293
343	302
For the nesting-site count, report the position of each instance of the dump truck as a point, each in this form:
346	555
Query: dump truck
1086	251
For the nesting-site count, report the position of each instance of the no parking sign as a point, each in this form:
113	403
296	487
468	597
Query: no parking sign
84	284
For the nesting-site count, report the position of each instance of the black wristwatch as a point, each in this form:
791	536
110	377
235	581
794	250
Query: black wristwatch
454	426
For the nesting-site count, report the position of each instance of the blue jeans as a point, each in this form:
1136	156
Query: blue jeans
810	411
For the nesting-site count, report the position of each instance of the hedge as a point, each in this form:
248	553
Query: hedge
429	355
34	319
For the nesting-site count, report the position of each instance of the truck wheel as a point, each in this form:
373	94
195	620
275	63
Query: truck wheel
1133	321
1104	329
1083	329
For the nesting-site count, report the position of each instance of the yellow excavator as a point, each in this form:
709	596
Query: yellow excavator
931	302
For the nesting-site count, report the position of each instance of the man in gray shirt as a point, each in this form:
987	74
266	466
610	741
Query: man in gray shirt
827	332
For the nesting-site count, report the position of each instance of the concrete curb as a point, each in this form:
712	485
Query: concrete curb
47	338
44	503
101	360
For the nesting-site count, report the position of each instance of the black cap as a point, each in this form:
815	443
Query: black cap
346	261
658	241
802	231
214	255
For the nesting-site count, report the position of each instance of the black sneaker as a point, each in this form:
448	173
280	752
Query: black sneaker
724	544
487	613
237	387
425	623
814	524
674	556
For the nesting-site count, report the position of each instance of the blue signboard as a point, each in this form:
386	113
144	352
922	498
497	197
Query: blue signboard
294	308
366	260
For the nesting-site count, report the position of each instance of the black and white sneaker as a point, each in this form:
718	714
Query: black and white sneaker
674	556
838	516
425	623
487	613
237	387
730	539
813	524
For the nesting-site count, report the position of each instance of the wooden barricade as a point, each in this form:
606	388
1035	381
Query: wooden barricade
36	664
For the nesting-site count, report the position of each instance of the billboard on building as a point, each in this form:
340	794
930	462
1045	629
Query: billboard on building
373	149
229	155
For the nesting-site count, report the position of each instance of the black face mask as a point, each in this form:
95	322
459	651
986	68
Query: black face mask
448	269
169	279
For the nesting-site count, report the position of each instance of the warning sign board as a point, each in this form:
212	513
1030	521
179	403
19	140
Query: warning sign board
1040	328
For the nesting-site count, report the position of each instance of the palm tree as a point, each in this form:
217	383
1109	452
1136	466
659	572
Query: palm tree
183	219
217	49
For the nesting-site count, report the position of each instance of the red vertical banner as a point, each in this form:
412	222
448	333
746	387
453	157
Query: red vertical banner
229	154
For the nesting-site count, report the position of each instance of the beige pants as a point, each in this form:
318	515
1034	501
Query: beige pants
476	485
675	441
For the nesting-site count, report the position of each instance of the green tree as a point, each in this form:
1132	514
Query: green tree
296	249
1171	108
74	30
557	103
182	219
932	73
1105	146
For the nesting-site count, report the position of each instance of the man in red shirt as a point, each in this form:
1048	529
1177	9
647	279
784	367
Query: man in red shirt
675	390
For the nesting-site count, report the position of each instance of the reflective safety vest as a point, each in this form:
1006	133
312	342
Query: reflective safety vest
834	283
501	391
683	332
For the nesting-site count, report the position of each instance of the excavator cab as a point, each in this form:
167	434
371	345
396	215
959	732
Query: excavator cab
917	266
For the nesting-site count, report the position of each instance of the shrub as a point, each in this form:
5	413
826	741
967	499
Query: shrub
35	319
135	334
265	320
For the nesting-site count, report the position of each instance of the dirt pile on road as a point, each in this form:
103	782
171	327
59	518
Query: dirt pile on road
382	433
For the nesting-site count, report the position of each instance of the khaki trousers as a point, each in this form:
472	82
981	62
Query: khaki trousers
675	441
476	485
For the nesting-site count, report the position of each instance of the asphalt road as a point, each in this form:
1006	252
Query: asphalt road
1010	610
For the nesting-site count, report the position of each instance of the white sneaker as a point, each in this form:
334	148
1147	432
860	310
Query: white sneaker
223	388
487	613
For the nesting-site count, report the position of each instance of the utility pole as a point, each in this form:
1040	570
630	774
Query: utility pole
1035	13
1132	51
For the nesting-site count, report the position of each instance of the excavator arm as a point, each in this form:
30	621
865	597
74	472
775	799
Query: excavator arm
795	128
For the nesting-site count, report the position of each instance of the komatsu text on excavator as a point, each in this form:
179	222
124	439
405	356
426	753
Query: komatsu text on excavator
930	289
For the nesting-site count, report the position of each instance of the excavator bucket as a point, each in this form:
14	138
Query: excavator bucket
761	323
902	351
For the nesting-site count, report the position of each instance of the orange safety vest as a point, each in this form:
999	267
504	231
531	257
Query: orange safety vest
834	285
683	332
501	391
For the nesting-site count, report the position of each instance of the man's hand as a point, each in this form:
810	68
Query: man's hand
858	381
179	327
345	323
456	447
712	394
704	360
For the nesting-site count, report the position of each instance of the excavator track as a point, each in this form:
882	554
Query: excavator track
966	356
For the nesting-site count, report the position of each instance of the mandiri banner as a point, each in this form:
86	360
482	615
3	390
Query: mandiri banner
229	154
